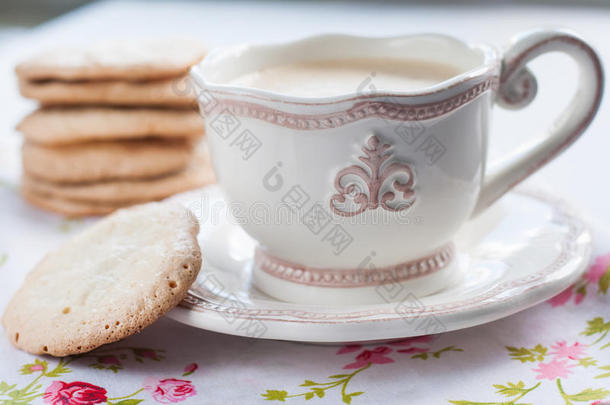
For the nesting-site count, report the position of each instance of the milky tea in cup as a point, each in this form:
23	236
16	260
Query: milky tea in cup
325	78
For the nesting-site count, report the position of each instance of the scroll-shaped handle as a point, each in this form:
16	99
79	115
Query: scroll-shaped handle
518	88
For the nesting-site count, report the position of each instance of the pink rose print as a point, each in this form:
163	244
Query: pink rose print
593	276
169	390
562	351
411	341
413	350
562	298
553	369
190	369
349	349
109	360
598	269
148	354
375	356
74	393
36	367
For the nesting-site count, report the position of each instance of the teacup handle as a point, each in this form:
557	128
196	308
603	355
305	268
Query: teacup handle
518	88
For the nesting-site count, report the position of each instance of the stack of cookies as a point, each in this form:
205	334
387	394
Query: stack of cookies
116	126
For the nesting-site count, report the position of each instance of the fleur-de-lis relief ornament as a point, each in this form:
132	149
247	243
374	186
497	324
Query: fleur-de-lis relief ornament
380	182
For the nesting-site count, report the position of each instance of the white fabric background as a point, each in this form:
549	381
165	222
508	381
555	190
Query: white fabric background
236	370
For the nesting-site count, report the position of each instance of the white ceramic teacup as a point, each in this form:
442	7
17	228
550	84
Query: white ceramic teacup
352	193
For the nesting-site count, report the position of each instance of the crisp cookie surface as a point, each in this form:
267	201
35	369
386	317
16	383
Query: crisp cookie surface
54	126
172	92
70	208
198	173
97	161
107	283
126	59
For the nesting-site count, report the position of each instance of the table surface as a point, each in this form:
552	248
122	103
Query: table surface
548	352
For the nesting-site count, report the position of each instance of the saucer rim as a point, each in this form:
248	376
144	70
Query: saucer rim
535	287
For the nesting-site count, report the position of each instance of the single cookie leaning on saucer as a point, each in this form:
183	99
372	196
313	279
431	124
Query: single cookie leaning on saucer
106	160
55	126
122	60
107	283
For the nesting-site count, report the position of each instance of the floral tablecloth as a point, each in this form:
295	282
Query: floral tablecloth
557	352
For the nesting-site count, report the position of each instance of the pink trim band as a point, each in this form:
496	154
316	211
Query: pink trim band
360	110
350	278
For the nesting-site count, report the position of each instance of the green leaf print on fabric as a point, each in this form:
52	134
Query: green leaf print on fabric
4	387
38	365
588	394
587	362
510	389
524	355
556	363
317	389
437	354
605	375
418	347
11	394
515	391
276	395
112	358
604	282
597	326
59	370
127	402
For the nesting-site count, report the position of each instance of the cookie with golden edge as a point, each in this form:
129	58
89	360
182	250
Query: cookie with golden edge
125	59
69	208
174	92
108	194
107	283
64	125
107	160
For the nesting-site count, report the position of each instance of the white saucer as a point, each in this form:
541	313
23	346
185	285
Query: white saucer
522	251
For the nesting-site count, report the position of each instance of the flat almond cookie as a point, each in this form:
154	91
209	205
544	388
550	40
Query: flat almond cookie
70	208
119	59
60	126
110	194
98	161
107	283
175	92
